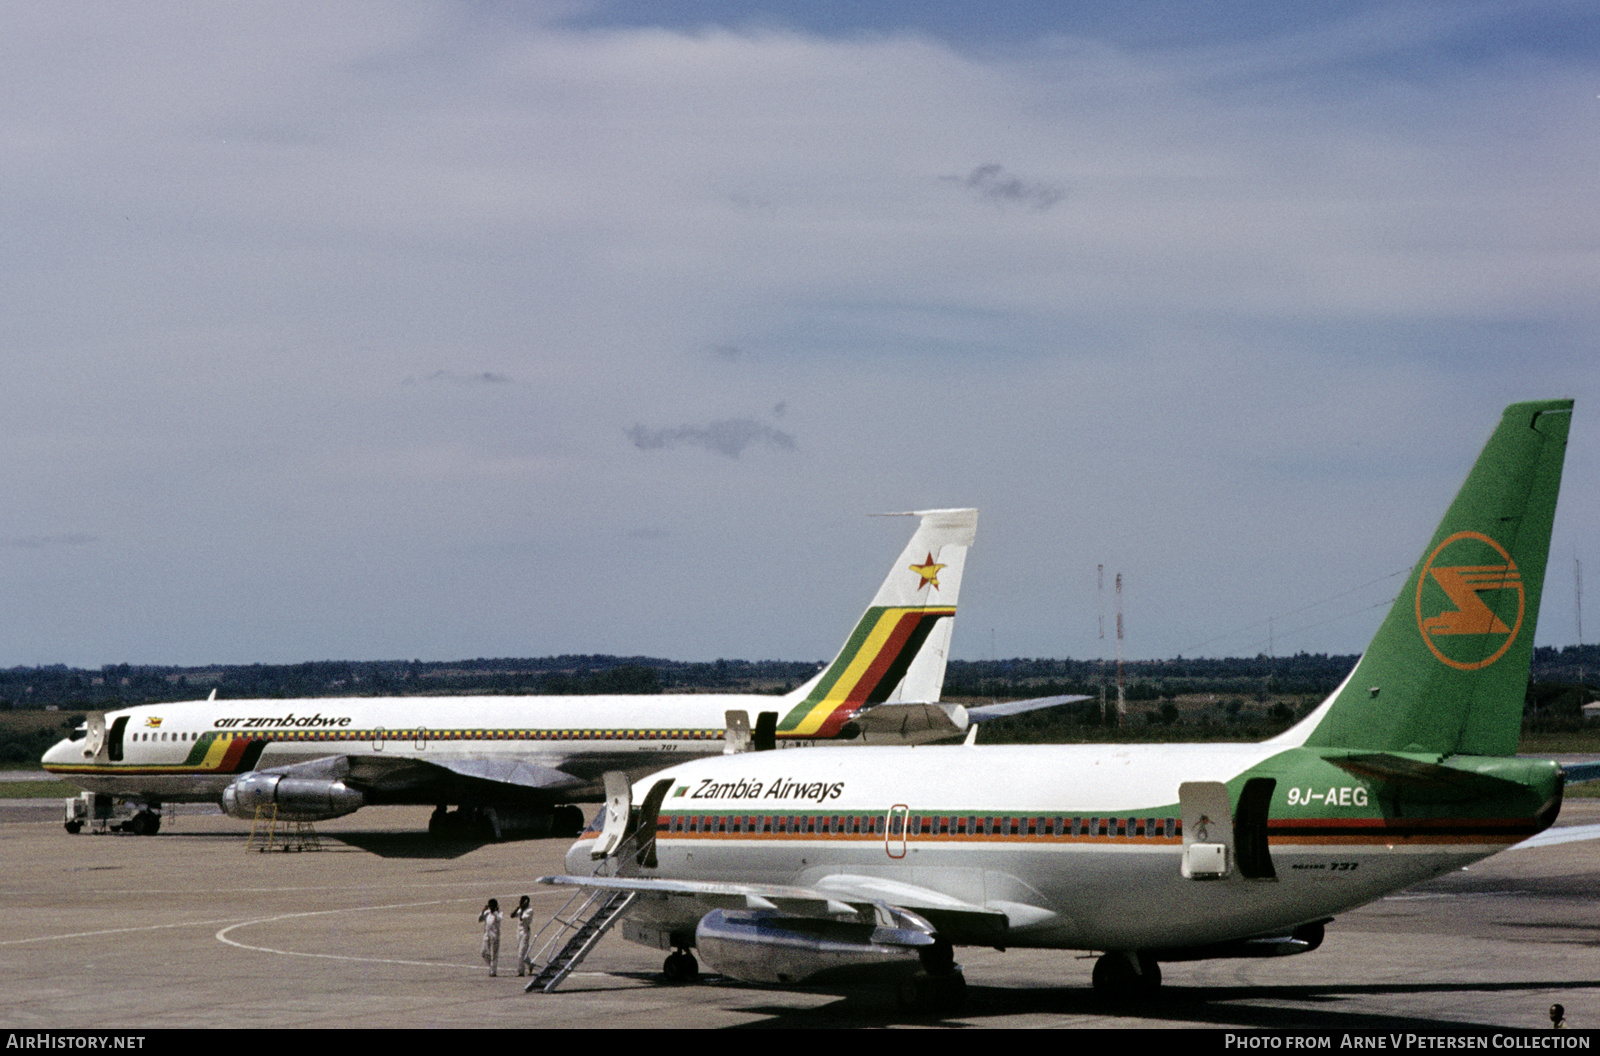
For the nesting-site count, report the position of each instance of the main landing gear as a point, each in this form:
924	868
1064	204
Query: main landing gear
924	994
681	967
503	823
1126	974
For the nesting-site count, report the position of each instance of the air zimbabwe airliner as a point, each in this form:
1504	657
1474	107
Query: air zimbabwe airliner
822	868
510	762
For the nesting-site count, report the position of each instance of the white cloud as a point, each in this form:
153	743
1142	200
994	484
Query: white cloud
1232	296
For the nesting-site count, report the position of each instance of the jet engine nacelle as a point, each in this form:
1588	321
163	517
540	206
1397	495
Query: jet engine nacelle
297	798
764	946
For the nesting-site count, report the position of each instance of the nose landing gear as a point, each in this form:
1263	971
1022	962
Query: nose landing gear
1126	974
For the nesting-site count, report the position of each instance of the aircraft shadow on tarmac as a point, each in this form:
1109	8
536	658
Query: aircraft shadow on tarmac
407	844
1187	1005
382	844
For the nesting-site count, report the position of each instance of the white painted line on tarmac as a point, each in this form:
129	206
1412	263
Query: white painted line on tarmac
110	931
222	936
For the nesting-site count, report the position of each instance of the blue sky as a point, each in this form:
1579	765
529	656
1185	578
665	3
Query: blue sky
443	330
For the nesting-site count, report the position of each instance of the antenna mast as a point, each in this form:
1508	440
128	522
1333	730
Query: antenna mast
1100	588
1122	708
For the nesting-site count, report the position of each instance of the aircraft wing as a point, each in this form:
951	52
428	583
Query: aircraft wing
832	895
397	774
514	772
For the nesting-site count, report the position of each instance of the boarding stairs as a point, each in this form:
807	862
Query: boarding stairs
577	927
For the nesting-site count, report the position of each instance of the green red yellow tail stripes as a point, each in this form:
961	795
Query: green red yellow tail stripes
898	649
872	664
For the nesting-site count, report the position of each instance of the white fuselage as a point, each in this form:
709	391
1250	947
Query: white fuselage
1076	845
189	752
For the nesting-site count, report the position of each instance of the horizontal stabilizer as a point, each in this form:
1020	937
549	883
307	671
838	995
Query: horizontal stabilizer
1424	780
908	723
1577	772
985	712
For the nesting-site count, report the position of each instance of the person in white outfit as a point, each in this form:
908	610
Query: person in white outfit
524	915
490	917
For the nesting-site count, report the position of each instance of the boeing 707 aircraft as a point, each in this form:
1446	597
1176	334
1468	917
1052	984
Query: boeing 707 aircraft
510	762
833	868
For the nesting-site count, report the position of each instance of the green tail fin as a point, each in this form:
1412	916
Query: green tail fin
1448	670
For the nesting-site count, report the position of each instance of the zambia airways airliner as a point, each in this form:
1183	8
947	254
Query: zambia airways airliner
822	868
510	762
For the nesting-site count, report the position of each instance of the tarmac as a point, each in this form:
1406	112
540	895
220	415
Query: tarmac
379	929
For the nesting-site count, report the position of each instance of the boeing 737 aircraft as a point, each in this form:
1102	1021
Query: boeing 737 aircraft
827	868
510	761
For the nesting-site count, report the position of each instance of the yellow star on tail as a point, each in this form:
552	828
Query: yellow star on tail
928	571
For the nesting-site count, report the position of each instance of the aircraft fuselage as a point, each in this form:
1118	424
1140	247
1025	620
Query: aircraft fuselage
1080	847
190	752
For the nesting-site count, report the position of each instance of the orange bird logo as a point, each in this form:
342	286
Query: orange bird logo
1464	586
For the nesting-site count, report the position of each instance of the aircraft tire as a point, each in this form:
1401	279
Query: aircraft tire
1123	974
567	821
681	967
930	995
153	825
441	826
138	825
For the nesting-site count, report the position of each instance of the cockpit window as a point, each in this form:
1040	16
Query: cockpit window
79	734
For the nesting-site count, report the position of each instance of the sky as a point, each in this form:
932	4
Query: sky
443	330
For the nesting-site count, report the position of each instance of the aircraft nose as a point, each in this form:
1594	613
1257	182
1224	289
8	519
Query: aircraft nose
63	751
